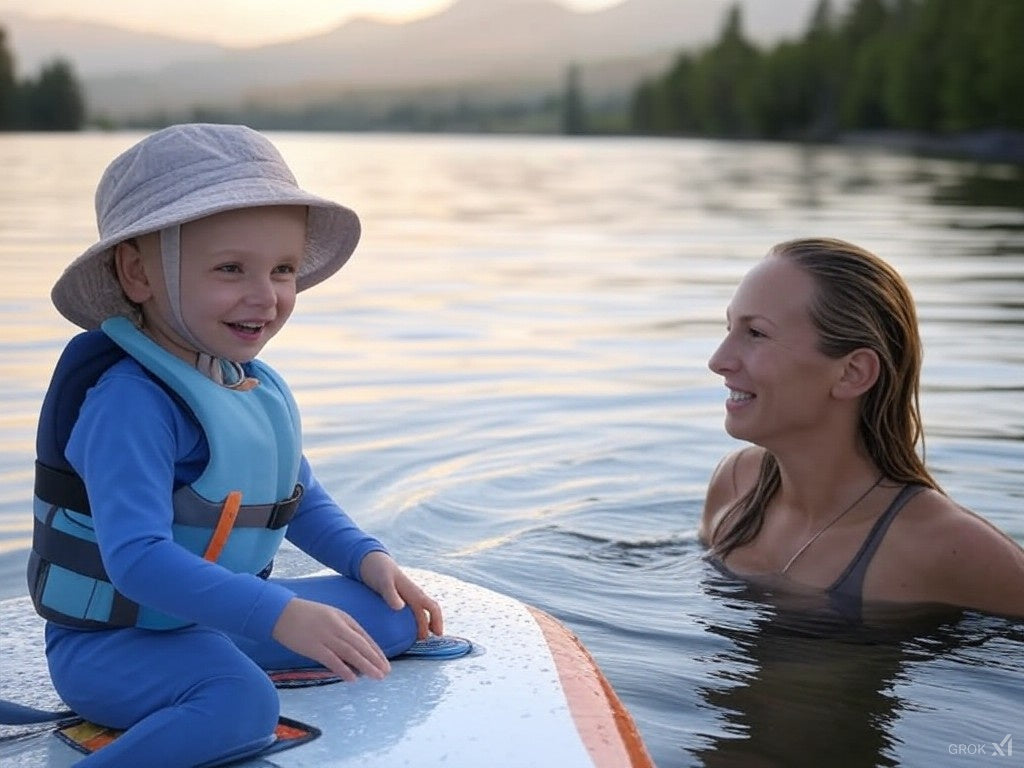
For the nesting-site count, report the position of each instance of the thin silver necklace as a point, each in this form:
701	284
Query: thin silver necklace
830	523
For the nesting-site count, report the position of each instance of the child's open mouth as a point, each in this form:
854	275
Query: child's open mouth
248	330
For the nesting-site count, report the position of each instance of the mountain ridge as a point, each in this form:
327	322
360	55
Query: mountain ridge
471	42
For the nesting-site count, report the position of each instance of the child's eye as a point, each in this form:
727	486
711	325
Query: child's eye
229	268
285	269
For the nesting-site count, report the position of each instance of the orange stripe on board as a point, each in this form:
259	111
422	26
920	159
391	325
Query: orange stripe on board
604	724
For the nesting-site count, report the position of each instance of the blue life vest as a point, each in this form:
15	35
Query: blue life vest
254	439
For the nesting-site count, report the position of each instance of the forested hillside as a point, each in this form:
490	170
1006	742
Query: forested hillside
935	66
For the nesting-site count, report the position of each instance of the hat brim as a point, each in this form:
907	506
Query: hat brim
87	293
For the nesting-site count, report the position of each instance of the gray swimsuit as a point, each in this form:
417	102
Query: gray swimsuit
846	592
845	595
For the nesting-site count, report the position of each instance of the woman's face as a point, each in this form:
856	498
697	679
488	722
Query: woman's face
779	382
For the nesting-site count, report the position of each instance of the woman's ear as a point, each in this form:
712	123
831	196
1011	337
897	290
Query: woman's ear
860	372
131	272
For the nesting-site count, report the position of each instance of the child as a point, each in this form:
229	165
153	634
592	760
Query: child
170	464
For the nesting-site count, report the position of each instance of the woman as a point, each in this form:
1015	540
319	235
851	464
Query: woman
822	360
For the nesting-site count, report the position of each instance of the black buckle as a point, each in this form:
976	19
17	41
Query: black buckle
282	513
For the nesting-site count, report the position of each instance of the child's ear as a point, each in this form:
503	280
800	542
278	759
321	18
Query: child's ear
860	372
131	272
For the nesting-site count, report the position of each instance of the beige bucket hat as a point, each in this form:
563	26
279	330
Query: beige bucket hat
186	172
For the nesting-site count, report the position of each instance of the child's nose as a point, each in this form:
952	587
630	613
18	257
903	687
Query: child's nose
262	292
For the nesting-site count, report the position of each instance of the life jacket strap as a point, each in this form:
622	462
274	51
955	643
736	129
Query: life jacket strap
192	509
56	546
61	488
228	515
43	575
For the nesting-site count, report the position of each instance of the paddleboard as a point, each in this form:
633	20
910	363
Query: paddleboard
528	694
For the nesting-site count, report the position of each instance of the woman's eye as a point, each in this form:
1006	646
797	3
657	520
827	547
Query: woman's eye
755	334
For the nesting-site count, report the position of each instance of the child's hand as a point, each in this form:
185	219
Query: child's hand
330	636
382	574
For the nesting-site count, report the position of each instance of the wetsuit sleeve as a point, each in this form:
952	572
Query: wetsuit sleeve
128	438
324	531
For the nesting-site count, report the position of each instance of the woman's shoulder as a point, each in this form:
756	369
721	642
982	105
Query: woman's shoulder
734	475
736	471
939	527
949	554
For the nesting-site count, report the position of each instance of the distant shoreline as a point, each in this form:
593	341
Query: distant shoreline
987	145
990	146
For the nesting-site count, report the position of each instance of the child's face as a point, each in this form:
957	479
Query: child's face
238	271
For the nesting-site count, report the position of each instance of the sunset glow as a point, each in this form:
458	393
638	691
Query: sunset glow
241	22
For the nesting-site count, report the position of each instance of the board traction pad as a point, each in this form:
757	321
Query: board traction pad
439	648
88	737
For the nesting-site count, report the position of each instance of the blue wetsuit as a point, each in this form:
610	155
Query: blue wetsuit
197	694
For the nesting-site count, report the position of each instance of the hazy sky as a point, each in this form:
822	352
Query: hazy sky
239	22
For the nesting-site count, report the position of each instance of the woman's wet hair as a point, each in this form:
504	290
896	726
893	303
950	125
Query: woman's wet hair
859	302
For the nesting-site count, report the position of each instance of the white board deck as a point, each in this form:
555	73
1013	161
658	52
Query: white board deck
528	695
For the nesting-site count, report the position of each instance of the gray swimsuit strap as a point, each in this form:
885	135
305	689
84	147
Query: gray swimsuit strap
850	583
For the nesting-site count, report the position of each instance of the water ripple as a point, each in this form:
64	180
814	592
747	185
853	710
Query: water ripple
508	383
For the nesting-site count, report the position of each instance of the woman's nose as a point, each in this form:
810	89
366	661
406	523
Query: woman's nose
721	359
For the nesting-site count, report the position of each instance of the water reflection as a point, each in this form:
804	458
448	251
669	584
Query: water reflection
804	702
799	687
985	187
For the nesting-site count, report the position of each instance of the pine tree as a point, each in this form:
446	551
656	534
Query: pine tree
8	86
573	113
55	101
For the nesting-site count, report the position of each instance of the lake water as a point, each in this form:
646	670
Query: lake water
507	383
